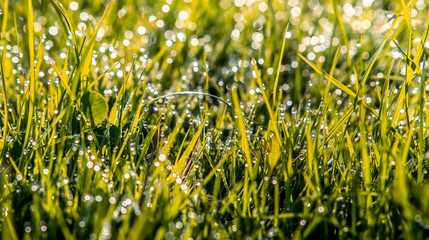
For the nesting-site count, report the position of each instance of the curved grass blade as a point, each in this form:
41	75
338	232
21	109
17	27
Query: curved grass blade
273	124
279	65
67	23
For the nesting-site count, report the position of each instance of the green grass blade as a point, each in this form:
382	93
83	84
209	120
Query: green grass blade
276	82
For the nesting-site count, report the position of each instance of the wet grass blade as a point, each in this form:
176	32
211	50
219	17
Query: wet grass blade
67	23
180	164
273	124
242	129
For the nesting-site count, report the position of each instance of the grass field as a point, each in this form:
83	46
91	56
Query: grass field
201	119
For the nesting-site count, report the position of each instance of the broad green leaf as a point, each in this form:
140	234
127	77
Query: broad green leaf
94	106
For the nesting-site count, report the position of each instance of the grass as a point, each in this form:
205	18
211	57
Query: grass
213	119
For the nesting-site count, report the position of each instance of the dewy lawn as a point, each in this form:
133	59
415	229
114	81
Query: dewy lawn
201	119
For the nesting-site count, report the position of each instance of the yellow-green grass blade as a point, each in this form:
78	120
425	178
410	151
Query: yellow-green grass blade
403	95
67	23
337	126
242	129
337	83
276	82
180	164
372	61
114	114
206	71
5	18
401	178
342	29
349	144
4	114
421	133
421	46
55	121
87	53
138	112
101	76
366	171
172	138
348	91
312	161
399	103
33	90
409	61
86	56
9	231
148	141
273	124
328	77
209	176
63	82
